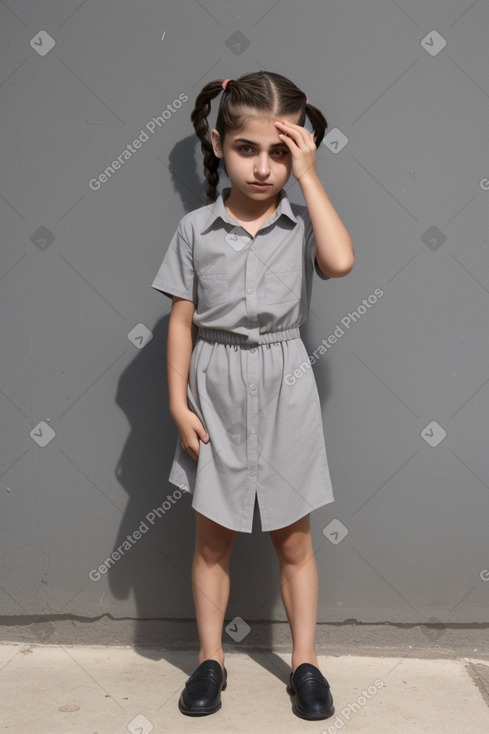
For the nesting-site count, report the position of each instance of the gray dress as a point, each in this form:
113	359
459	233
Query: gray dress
250	380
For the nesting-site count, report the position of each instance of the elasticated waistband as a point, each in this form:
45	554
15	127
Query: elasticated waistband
229	337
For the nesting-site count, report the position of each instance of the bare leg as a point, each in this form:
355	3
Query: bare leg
210	584
299	587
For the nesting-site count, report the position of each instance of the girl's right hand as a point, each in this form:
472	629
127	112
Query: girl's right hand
191	432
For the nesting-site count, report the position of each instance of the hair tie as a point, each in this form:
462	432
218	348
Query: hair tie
307	99
225	83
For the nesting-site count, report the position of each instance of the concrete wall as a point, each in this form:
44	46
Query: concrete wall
86	438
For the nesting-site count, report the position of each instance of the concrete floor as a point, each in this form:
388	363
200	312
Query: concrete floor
98	689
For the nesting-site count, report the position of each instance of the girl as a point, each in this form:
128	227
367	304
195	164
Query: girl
239	272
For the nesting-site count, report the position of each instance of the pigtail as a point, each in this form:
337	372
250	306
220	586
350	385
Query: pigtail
318	122
199	117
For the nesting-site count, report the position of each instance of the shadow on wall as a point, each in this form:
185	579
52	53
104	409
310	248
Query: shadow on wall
159	520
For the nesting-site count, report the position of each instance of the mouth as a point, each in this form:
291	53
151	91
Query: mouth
259	185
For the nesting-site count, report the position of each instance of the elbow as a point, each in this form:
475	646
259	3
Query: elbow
340	269
349	267
345	268
343	261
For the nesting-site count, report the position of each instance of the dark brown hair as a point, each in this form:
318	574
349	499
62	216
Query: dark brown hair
259	92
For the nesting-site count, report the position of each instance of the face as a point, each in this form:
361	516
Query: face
255	154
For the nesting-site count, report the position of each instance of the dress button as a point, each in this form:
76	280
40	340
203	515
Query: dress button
253	248
253	350
252	386
252	430
250	290
252	472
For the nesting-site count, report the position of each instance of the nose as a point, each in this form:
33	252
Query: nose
262	165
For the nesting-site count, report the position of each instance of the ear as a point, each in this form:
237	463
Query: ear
216	143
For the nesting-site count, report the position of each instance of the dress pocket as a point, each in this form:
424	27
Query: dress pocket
283	286
213	289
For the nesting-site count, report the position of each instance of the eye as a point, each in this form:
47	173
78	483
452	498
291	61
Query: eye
281	153
241	148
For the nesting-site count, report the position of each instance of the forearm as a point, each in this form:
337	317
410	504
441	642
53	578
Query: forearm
334	247
179	352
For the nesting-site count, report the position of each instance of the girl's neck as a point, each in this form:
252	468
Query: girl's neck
243	209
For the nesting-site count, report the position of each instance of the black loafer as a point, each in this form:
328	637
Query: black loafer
202	692
312	696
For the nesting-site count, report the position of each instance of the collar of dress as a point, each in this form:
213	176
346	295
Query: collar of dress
218	210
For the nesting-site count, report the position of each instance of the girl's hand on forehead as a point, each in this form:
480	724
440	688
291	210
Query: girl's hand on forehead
302	147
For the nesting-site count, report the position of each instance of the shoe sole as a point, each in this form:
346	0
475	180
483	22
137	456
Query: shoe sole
316	716
313	717
200	712
205	711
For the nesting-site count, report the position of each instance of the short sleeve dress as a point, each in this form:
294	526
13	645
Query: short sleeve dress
250	379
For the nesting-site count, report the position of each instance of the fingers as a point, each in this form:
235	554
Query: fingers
191	450
295	135
292	126
192	437
191	446
202	434
286	130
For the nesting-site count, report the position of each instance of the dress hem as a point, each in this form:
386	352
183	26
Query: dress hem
266	529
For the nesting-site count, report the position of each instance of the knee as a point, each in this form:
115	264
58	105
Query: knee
214	549
294	550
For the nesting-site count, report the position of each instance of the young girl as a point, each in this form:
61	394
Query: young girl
239	272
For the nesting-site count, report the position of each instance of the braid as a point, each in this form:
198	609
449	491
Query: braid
318	122
199	117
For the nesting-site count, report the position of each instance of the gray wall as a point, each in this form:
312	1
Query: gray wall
86	439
